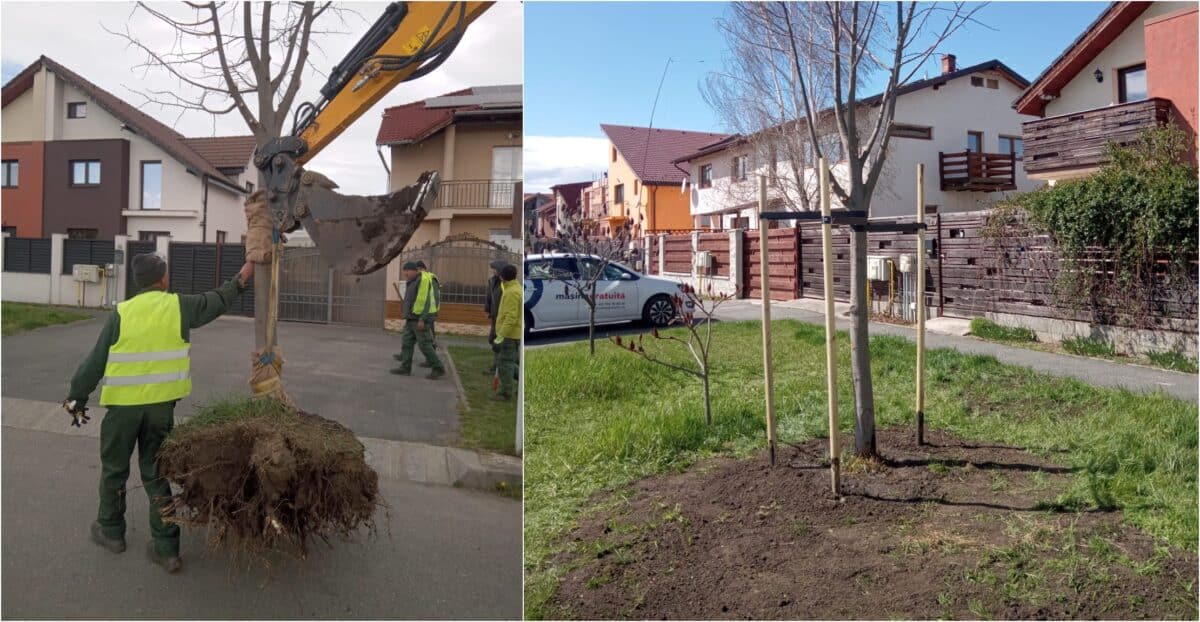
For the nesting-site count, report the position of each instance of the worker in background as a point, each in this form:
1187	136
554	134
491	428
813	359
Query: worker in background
491	306
420	308
142	358
437	293
508	331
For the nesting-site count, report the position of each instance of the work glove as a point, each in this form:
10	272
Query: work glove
499	340
78	411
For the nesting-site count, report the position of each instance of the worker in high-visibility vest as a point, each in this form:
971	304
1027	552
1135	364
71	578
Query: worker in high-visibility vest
508	331
420	308
426	273
142	366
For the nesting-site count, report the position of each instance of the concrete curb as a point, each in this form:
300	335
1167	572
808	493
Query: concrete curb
400	460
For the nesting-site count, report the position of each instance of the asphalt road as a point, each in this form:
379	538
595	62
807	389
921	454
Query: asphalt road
445	553
340	372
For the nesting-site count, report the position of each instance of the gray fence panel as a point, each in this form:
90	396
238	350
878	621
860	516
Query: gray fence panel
30	255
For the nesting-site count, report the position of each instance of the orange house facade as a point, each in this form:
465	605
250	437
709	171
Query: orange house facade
645	186
21	194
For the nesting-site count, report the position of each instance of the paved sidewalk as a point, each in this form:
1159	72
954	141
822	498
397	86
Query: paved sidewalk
339	372
1098	372
440	553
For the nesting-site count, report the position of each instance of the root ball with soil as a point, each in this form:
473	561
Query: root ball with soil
260	475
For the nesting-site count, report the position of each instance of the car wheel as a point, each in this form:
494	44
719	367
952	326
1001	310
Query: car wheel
659	311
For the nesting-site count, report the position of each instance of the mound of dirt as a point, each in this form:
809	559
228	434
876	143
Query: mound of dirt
952	529
259	475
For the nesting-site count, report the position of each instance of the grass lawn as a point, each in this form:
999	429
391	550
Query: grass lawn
486	424
597	423
20	317
1080	346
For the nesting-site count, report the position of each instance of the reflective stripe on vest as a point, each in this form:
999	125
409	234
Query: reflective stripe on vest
149	362
425	293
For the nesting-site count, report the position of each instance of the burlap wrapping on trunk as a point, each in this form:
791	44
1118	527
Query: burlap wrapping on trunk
258	228
265	377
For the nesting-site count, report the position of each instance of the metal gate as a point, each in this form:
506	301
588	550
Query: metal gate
310	291
461	263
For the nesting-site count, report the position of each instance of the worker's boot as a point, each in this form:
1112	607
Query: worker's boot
401	371
436	373
170	563
116	545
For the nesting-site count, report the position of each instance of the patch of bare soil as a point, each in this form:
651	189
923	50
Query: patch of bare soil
952	529
259	483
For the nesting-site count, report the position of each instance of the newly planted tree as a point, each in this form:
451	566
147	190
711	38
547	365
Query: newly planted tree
698	341
811	59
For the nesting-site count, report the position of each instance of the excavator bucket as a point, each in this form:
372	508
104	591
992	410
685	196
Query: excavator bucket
361	234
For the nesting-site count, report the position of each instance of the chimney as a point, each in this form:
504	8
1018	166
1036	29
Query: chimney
948	65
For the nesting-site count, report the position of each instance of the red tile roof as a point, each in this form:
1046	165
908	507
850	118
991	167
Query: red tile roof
141	123
652	152
415	121
570	192
225	152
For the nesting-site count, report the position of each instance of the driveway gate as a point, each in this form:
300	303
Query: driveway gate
310	291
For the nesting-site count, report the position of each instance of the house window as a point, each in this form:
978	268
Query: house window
150	236
619	193
220	237
83	234
974	141
77	110
904	130
85	172
1131	84
1012	145
636	187
705	222
706	176
613	152
976	81
993	83
739	168
12	169
12	231
152	185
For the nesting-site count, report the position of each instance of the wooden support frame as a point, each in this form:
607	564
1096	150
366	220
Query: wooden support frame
765	287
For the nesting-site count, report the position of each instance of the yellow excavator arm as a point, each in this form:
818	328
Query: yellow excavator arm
361	234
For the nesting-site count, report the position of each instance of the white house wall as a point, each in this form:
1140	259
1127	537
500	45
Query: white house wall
22	120
182	190
1129	48
951	110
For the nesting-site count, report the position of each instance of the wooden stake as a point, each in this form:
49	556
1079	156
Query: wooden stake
920	306
765	269
835	439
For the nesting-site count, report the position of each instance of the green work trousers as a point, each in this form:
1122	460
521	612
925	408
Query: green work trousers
144	427
422	339
510	358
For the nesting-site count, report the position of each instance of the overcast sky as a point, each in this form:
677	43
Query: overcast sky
71	34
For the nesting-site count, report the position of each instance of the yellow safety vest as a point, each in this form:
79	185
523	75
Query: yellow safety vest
149	362
425	292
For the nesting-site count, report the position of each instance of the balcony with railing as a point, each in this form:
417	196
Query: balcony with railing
1079	140
478	194
970	171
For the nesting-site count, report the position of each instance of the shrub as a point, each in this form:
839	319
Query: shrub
987	329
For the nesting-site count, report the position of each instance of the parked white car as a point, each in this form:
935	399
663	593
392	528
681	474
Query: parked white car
622	294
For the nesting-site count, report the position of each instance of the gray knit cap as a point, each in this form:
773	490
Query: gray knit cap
148	269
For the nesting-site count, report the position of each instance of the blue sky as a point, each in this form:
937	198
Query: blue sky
592	62
588	63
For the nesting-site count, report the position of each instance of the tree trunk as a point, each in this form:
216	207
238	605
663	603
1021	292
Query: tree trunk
860	347
707	401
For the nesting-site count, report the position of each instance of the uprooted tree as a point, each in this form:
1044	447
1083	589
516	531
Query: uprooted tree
688	305
259	472
813	58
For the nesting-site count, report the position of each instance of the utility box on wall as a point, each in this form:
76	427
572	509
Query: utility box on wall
877	268
82	273
704	260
